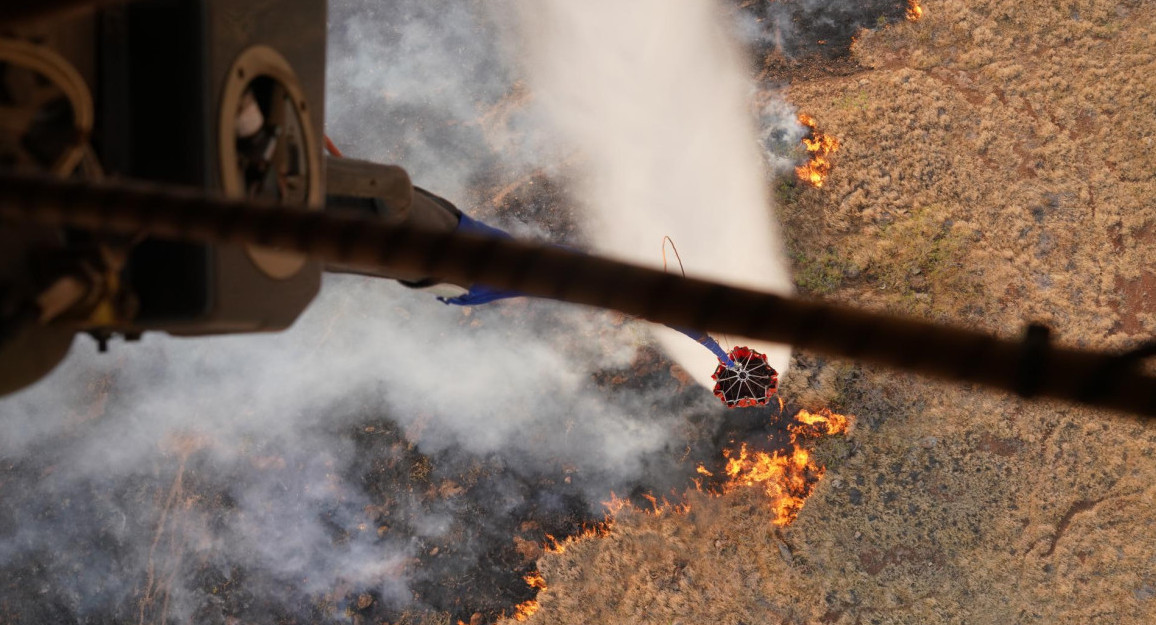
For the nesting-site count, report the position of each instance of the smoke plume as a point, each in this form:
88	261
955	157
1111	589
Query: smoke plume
179	466
388	453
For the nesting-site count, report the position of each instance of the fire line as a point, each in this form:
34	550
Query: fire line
787	477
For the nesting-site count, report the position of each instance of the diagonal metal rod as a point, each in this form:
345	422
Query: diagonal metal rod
1031	367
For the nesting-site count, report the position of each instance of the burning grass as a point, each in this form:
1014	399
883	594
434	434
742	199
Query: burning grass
777	465
952	504
914	11
523	611
787	476
820	146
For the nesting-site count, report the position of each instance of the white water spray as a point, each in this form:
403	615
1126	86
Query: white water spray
654	94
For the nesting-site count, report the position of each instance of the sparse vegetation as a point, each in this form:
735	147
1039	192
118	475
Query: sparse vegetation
921	253
852	100
819	274
998	166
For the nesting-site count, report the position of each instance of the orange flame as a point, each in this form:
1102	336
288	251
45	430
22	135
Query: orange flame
614	505
914	11
526	609
535	580
820	146
825	423
596	530
553	545
523	611
787	478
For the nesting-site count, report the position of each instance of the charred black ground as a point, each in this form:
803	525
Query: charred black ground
498	513
493	514
804	39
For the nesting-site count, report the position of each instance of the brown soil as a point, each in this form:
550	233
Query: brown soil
998	166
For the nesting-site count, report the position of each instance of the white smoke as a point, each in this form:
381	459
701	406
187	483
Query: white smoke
429	84
656	95
104	460
266	419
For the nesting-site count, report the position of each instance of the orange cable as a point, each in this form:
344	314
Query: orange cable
332	148
666	238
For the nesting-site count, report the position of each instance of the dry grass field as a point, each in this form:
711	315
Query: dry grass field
997	166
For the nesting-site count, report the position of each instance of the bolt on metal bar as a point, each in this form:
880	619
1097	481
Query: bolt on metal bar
1032	367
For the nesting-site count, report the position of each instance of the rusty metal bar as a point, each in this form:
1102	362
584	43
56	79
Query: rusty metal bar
1032	367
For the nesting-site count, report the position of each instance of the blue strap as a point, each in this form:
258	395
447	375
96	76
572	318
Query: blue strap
481	294
708	342
478	293
469	225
